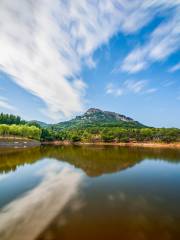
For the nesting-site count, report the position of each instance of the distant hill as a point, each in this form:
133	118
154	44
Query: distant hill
97	118
41	124
93	117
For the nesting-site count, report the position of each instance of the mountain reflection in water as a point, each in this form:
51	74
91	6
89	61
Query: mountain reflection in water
73	192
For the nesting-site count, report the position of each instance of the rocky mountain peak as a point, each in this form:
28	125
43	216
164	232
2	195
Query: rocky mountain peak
96	117
93	110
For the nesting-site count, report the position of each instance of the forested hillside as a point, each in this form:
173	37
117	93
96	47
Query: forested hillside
94	117
94	126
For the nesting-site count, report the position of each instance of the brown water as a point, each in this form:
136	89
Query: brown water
52	193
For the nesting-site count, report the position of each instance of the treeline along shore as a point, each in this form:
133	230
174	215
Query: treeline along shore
13	128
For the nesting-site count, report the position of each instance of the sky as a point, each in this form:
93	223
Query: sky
58	58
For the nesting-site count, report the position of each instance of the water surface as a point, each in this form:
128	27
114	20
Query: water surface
89	193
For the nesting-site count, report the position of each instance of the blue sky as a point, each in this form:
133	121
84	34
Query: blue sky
60	59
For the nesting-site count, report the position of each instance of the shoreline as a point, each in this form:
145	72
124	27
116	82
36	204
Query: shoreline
18	142
121	144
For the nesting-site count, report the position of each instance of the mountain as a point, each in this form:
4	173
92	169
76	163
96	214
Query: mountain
41	124
97	118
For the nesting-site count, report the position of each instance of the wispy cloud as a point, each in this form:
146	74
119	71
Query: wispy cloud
114	90
135	86
44	43
129	86
175	68
151	90
163	41
4	104
168	83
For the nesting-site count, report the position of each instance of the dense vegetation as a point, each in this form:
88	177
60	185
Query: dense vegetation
21	131
10	119
114	134
91	131
11	125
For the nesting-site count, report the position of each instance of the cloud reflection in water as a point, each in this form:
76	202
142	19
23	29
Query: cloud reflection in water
27	216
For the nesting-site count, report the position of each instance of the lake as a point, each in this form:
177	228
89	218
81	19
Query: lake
89	192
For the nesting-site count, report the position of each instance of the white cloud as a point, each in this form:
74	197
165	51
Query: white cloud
152	90
135	86
175	68
5	104
43	43
114	90
90	62
168	83
129	86
163	41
